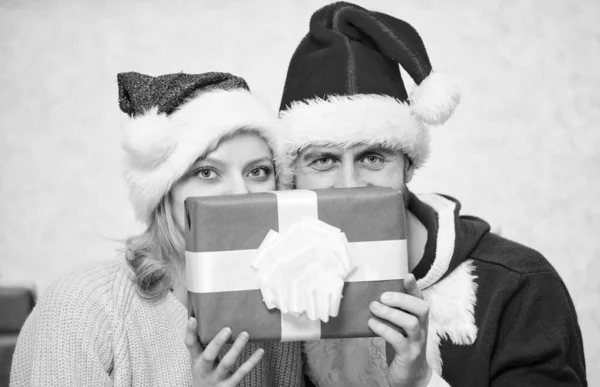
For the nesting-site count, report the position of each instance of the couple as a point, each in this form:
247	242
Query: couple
479	310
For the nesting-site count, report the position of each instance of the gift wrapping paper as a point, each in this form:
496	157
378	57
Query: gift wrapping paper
223	234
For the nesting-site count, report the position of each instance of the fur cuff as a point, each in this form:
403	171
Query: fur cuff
350	120
160	149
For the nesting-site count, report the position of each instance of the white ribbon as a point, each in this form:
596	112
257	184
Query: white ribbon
229	271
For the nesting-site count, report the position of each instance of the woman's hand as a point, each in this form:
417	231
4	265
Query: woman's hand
206	369
408	313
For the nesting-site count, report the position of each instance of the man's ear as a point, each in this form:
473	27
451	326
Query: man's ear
409	169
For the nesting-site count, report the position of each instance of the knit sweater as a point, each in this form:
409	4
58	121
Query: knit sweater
92	328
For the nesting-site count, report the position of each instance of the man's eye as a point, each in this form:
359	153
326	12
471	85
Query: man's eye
373	160
323	161
323	164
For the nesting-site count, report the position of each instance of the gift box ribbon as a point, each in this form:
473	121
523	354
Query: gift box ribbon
227	271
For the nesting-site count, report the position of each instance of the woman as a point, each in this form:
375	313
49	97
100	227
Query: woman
123	322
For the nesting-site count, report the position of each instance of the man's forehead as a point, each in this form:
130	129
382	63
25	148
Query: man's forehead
340	148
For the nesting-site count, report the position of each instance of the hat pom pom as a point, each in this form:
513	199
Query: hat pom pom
147	139
434	100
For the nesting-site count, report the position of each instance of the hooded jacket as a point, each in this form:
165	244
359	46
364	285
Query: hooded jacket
500	315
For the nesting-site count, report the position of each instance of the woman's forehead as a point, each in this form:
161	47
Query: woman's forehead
241	143
244	148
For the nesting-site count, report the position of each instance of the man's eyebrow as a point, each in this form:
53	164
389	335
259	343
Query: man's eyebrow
378	149
312	153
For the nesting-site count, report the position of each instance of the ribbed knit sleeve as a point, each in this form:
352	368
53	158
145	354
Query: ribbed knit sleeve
66	340
539	342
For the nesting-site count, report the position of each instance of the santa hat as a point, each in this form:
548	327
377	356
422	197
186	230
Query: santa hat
175	119
344	86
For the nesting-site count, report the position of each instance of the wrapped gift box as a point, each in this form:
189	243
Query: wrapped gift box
223	234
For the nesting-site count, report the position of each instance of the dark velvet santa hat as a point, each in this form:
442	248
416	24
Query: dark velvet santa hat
344	85
175	119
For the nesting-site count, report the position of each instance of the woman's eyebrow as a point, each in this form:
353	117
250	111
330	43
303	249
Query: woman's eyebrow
260	160
211	160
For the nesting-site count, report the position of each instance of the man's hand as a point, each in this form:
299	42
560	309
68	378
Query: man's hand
409	315
206	370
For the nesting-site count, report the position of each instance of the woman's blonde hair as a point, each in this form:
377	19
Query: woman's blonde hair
155	254
158	253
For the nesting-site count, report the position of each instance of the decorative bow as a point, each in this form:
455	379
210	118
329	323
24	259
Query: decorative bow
302	270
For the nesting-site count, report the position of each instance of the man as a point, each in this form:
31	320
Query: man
484	311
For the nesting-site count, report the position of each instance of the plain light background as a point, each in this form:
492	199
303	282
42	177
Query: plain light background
520	152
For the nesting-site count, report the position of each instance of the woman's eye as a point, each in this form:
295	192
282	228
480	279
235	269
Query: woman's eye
206	174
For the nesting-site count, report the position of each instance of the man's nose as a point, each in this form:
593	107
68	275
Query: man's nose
349	177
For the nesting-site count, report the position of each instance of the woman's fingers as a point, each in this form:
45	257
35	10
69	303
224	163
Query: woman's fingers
245	368
206	362
191	339
214	347
228	361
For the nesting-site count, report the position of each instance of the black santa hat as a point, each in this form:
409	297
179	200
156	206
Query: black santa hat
344	86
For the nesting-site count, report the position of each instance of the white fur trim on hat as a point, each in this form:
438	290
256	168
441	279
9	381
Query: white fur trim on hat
350	120
160	149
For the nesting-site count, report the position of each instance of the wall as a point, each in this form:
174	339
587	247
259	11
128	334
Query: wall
521	152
